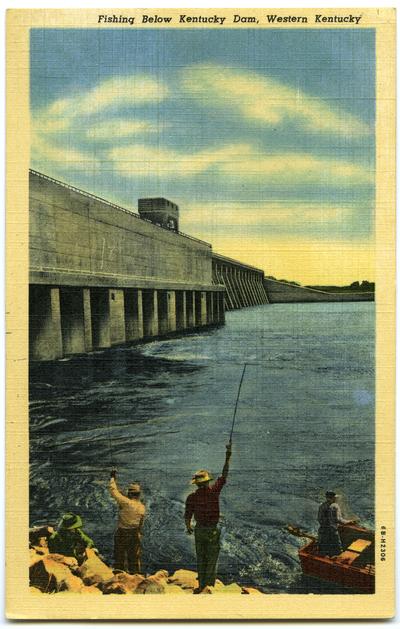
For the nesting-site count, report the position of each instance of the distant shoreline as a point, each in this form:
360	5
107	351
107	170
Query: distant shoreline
279	291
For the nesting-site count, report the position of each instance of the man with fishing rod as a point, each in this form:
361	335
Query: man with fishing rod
127	537
203	505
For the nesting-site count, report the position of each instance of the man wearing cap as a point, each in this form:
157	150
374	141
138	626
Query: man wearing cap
69	539
329	518
127	537
203	504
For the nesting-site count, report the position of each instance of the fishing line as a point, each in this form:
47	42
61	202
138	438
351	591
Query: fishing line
237	402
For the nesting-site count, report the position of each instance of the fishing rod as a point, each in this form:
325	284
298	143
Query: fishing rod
237	402
112	462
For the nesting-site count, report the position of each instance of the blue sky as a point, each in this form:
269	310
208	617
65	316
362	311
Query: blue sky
264	137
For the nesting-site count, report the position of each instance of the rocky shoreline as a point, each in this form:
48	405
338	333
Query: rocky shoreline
51	573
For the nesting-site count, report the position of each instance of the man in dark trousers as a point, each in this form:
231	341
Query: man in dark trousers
127	537
329	518
203	504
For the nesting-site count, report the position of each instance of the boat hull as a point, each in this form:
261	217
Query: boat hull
359	576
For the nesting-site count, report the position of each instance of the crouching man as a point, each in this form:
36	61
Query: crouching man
69	539
127	537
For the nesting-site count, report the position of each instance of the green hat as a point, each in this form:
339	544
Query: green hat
70	521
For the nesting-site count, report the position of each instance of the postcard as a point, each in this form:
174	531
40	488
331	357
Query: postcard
200	313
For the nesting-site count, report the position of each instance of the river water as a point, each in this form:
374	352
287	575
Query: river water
160	411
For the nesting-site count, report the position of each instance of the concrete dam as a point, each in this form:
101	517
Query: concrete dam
101	275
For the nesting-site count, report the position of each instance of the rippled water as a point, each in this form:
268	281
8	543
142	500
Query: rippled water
160	411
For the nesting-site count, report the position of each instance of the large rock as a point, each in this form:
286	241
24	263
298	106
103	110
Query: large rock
169	588
246	590
114	587
50	575
129	581
154	584
186	579
34	557
72	583
90	589
71	562
232	588
122	583
160	576
147	586
39	535
94	570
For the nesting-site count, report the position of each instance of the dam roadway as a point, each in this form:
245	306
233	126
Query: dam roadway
101	275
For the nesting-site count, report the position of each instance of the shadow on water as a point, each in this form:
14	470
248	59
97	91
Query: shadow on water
71	374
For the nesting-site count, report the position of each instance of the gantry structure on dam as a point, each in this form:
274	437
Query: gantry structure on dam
101	275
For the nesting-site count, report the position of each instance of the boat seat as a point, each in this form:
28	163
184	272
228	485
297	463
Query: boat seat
347	557
359	545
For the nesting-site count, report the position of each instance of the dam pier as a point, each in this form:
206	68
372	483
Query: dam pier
101	275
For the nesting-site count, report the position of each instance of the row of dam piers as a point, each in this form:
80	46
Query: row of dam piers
72	320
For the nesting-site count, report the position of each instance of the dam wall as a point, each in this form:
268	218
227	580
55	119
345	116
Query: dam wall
102	276
77	235
284	293
244	284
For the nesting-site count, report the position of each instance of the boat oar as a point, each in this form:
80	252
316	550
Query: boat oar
297	532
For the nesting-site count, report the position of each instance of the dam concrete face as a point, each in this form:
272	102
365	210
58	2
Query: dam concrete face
102	276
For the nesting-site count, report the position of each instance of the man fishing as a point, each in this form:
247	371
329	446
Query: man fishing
203	504
329	518
127	537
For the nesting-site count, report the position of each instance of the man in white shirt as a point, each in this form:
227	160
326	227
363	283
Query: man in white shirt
127	537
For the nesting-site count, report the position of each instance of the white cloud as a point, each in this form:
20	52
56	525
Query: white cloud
45	152
115	92
118	91
54	127
266	100
218	216
143	159
119	128
237	161
71	113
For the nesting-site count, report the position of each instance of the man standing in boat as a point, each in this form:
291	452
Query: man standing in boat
203	504
329	518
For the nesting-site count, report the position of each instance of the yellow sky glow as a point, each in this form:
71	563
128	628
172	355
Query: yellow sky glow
303	260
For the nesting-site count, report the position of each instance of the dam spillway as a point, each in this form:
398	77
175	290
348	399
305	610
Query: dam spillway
101	275
244	284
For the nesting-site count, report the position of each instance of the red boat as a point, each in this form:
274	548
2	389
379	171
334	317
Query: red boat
354	568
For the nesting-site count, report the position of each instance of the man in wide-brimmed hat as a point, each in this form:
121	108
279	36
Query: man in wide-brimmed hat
203	504
329	518
69	539
127	537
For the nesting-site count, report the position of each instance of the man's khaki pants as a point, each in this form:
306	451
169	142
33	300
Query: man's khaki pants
207	551
127	550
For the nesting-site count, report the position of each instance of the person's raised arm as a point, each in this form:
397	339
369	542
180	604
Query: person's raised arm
228	455
113	487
